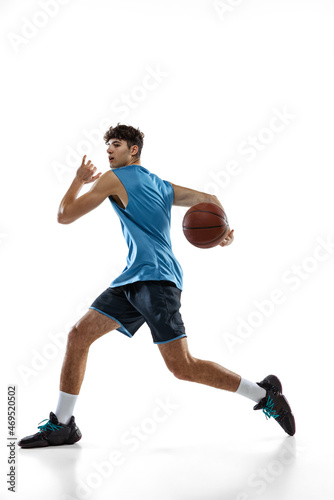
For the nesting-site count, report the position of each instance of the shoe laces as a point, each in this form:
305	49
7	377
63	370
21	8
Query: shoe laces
49	426
269	409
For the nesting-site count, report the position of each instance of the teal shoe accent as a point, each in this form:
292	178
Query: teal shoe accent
269	410
48	426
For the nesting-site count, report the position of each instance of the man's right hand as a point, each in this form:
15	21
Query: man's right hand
86	172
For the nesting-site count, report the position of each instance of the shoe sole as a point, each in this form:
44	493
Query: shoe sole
277	383
287	407
34	445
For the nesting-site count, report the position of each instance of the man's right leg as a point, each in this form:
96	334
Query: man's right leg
63	430
88	329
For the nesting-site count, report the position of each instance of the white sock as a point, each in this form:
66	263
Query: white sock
251	390
65	407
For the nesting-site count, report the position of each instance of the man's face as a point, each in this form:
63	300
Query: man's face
120	155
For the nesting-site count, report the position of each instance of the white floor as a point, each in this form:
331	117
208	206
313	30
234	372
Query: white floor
195	443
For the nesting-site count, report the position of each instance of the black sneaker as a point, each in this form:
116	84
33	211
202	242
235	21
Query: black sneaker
53	433
275	405
271	382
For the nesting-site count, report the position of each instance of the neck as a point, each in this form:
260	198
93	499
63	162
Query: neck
135	162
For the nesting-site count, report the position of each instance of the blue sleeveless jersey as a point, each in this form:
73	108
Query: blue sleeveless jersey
146	227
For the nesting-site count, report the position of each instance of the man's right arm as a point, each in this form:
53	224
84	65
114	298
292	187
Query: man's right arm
185	197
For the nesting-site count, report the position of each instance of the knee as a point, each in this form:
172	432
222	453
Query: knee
76	337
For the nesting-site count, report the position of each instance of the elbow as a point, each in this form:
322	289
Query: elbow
62	219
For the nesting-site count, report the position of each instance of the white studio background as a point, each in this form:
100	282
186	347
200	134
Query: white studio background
235	98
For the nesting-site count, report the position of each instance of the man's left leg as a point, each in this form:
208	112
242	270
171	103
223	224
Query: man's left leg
267	394
185	367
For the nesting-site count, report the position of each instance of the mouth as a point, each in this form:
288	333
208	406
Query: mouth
111	158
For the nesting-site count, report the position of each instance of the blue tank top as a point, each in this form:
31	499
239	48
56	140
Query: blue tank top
146	227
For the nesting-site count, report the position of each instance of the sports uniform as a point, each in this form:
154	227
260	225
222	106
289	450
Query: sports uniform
149	287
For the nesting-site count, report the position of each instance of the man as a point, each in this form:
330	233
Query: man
148	290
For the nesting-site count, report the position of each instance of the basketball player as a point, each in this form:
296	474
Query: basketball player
148	290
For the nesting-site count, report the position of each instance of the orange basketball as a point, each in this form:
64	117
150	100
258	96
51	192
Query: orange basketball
204	225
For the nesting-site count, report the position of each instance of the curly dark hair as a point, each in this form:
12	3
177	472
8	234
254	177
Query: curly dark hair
132	136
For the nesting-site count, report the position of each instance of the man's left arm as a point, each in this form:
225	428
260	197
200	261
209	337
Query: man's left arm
186	197
71	207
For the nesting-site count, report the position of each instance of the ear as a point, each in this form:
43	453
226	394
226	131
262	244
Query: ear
134	150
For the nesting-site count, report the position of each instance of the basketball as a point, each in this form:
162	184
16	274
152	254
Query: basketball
204	225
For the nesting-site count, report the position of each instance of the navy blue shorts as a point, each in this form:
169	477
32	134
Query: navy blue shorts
155	302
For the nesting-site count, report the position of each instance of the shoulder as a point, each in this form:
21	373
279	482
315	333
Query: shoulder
170	186
108	183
